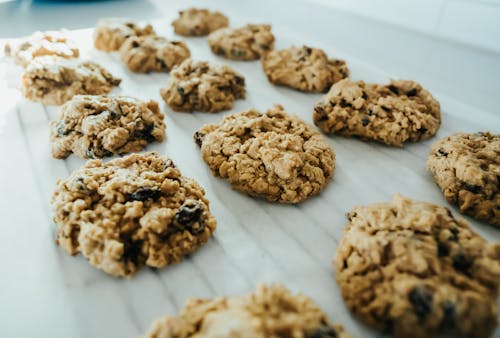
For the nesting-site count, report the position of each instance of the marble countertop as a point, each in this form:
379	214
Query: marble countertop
44	292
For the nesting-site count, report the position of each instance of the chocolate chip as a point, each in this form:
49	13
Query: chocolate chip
135	44
132	251
239	80
189	215
411	92
442	152
322	332
61	128
461	262
264	46
421	300
472	188
144	133
144	193
423	130
443	249
394	89
449	316
344	103
365	121
308	50
198	138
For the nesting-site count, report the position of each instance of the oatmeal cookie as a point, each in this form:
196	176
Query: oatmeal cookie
269	312
199	22
133	211
53	43
305	68
411	269
392	114
97	126
111	33
203	86
274	155
246	43
54	80
467	169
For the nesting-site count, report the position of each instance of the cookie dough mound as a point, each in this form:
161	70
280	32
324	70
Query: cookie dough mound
54	43
467	169
271	311
305	68
246	43
111	33
54	80
392	114
199	22
152	53
97	126
411	269
274	155
203	86
134	211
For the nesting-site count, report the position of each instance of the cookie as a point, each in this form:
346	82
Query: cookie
467	169
246	43
53	43
274	155
271	311
131	212
54	80
199	22
111	33
412	270
97	126
393	114
203	86
306	69
152	53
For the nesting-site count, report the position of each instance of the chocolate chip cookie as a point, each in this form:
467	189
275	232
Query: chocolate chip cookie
152	53
305	68
199	22
54	43
111	33
411	269
246	43
271	311
130	212
393	114
54	80
97	126
274	155
467	169
203	86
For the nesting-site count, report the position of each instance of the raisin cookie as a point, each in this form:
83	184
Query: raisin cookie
305	68
246	43
392	114
411	269
152	53
133	211
274	155
97	126
53	43
269	312
199	22
467	169
111	33
203	86
54	80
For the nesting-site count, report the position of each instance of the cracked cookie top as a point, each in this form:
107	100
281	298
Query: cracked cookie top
129	212
273	155
393	114
466	167
111	33
199	22
411	269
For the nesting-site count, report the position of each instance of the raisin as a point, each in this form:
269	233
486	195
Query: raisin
449	316
142	194
442	152
423	130
188	214
443	249
264	46
182	93
198	138
411	92
322	332
239	80
344	103
461	262
365	121
394	89
145	133
61	128
421	300
472	188
308	50
238	53
135	44
132	251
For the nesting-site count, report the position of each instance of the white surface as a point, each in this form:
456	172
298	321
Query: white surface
44	292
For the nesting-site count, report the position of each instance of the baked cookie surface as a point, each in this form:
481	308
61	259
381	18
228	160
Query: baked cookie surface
249	42
50	43
111	33
269	312
411	269
54	80
467	169
152	53
97	126
199	22
131	212
274	155
399	112
304	68
203	86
